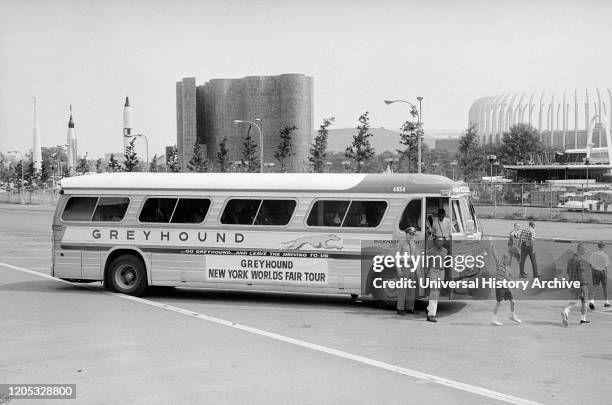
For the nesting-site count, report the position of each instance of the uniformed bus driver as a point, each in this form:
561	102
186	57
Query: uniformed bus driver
406	296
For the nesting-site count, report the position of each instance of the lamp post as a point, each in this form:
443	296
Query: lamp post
491	159
146	142
391	163
21	197
261	145
587	162
453	164
346	165
420	141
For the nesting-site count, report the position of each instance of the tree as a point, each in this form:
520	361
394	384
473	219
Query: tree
284	150
249	153
222	158
318	149
470	158
197	163
131	160
153	164
113	165
519	144
172	162
99	165
83	165
361	150
410	136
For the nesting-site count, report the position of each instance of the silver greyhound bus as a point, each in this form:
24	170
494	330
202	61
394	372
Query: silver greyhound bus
268	232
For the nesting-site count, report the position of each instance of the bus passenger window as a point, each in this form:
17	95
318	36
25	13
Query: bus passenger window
157	210
412	215
275	212
190	211
240	212
111	209
327	213
79	208
365	214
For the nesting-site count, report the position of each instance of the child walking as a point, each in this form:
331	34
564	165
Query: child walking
503	293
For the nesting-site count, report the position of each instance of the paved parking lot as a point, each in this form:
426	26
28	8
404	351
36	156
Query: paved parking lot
186	345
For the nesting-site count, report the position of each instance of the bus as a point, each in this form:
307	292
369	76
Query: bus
300	233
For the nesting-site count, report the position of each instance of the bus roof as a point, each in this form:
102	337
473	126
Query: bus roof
323	182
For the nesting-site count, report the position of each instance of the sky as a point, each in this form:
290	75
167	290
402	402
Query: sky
92	54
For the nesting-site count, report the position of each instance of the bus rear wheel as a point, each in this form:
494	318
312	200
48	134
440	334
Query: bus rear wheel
127	275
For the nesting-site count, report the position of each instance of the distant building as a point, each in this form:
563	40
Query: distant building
450	145
383	139
567	121
205	114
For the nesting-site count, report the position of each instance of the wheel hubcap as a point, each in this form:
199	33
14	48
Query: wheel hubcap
126	276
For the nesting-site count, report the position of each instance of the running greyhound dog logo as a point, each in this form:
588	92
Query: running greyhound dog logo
315	242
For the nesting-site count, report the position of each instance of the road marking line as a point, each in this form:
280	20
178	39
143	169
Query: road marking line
473	389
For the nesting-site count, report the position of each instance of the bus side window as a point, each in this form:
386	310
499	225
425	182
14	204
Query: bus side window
190	211
240	212
79	208
327	213
275	212
111	209
365	214
412	215
157	210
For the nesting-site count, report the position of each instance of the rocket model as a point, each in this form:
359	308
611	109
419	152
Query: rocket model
71	141
36	150
127	122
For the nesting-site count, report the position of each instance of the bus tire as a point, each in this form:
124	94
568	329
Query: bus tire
127	275
384	297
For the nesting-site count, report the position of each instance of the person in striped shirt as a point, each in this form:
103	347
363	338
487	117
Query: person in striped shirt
527	242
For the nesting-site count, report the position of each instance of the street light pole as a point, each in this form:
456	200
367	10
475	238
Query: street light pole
419	145
420	140
453	164
261	145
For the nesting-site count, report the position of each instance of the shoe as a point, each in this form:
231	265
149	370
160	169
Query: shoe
591	305
523	275
402	313
564	318
496	322
431	319
606	305
581	322
514	318
410	311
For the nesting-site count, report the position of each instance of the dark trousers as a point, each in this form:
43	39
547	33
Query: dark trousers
406	296
528	251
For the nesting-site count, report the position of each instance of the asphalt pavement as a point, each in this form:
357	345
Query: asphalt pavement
206	346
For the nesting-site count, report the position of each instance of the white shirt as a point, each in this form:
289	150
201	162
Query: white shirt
599	260
444	228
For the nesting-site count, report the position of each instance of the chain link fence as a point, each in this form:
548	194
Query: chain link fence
40	197
576	202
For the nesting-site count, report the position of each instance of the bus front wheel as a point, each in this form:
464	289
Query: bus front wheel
127	275
382	293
